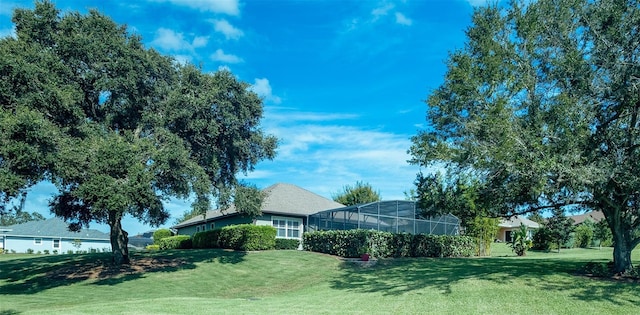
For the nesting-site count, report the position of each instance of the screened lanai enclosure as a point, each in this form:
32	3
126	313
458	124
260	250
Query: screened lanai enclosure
396	216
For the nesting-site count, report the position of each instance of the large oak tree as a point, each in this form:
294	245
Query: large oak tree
542	104
118	127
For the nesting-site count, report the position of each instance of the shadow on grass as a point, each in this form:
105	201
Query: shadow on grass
31	275
400	276
9	312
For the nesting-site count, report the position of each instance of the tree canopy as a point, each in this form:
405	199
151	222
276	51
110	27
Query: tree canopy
542	106
357	194
118	127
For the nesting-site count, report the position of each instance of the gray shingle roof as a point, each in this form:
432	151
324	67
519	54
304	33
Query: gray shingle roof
594	216
53	227
281	198
515	222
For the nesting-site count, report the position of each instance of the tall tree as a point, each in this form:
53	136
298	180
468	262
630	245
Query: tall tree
458	194
118	127
357	194
543	104
560	227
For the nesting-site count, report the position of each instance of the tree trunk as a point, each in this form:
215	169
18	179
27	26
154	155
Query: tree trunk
621	252
119	240
622	240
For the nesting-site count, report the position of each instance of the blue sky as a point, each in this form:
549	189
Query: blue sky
343	82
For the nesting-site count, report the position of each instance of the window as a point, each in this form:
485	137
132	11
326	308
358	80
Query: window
507	236
213	226
56	243
287	227
197	229
37	241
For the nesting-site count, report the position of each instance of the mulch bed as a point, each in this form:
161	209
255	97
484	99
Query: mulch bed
99	270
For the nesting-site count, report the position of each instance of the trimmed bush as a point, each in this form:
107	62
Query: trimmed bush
247	237
153	247
207	239
353	243
160	234
284	243
176	242
261	237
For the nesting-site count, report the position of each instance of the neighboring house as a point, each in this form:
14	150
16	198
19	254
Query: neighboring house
506	228
286	207
51	234
594	216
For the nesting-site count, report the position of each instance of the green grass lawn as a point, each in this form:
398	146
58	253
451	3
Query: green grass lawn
295	282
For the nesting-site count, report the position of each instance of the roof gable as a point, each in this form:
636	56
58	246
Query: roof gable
53	227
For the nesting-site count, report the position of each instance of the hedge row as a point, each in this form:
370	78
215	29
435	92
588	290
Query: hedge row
237	237
286	243
353	243
176	242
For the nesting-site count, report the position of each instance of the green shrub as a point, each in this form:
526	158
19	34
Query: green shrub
285	243
401	245
247	237
46	252
29	251
153	247
583	235
160	234
207	239
262	237
542	239
69	252
55	252
176	242
353	243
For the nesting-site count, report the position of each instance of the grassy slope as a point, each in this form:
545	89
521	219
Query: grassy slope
293	282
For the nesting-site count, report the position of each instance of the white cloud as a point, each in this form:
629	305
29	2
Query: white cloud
322	152
183	59
171	40
403	20
382	11
199	41
263	89
229	31
230	7
220	56
324	158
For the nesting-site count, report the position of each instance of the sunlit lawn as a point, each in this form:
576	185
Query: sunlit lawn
293	282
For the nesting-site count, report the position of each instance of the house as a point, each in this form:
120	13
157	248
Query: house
507	226
286	207
51	235
594	216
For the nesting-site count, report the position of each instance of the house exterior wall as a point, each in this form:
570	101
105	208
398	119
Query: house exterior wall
292	226
502	233
21	244
217	224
